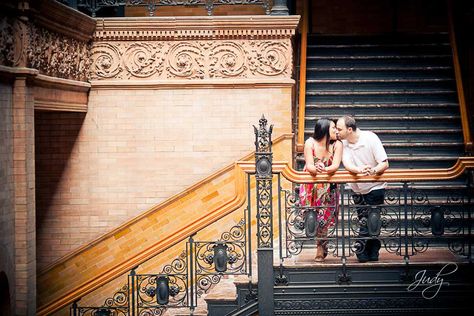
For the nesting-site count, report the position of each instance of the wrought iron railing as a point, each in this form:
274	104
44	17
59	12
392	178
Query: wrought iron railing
410	220
94	6
200	266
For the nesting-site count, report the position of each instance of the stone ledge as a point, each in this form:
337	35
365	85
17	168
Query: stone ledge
188	84
202	27
52	15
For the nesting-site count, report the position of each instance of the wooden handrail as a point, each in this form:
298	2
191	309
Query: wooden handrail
391	175
226	207
302	79
466	130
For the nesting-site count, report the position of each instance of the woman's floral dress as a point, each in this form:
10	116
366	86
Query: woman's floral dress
321	196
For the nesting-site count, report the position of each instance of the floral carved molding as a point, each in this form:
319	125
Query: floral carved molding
192	60
57	55
24	44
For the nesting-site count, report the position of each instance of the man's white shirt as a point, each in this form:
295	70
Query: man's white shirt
367	151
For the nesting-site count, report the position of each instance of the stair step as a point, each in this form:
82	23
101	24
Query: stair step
392	118
378	45
365	57
375	92
383	74
399	87
416	144
392	80
369	68
380	105
405	132
377	63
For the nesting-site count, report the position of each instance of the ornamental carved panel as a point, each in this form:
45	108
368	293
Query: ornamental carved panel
191	60
57	55
7	41
24	44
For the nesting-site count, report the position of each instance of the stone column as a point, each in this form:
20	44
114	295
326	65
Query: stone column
23	173
24	198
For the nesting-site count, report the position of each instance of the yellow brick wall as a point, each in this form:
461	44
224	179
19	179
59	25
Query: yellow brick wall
282	151
135	148
164	222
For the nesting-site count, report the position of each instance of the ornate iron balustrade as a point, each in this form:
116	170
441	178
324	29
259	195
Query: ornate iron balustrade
409	222
93	6
179	285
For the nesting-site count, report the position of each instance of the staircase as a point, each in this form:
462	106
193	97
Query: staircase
401	88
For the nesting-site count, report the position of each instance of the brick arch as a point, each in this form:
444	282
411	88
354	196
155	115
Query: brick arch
5	304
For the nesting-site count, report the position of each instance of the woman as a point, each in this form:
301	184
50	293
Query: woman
322	154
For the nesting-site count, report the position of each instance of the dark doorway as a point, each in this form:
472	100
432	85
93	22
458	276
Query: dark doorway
4	295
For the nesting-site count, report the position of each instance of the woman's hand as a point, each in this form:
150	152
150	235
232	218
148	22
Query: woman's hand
320	167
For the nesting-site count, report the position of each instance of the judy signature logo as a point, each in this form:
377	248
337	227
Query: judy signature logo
434	283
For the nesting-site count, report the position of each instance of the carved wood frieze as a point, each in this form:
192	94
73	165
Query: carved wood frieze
192	60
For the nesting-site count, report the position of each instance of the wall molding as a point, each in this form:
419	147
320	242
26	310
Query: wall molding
199	27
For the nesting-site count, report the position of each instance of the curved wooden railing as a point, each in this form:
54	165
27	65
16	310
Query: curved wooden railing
302	78
242	168
167	241
391	175
459	86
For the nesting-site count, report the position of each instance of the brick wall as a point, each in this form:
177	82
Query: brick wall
7	219
171	219
24	197
135	148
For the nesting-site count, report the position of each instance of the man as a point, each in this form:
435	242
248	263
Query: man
364	154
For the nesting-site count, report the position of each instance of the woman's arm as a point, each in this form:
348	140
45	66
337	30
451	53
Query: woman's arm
308	157
337	157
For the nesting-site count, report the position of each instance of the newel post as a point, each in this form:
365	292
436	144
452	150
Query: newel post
263	176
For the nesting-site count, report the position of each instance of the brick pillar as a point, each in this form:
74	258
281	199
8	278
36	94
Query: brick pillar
24	198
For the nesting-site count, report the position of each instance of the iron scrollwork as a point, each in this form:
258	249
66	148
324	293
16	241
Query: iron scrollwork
93	6
225	256
263	169
116	305
169	289
307	223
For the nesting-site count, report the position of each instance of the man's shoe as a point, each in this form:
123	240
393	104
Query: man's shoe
374	258
363	257
373	251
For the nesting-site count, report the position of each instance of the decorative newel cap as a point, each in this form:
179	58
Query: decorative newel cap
263	136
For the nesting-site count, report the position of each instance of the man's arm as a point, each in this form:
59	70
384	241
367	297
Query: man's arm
349	166
380	156
379	168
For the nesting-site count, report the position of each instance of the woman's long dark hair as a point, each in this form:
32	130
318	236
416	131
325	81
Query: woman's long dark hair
321	130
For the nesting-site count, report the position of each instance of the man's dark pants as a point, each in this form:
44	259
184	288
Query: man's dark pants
372	246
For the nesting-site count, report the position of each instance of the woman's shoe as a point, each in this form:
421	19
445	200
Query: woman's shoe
321	253
325	250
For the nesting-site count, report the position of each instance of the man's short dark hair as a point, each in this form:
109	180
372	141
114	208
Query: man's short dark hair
350	122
